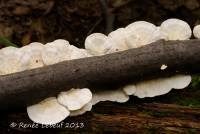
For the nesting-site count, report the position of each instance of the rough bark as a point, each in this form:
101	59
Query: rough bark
116	118
28	87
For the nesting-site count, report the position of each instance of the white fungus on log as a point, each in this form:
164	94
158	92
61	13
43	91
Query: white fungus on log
75	99
77	53
109	95
196	31
10	65
175	29
116	41
11	61
141	33
160	86
54	52
94	44
78	101
85	108
8	51
129	89
33	53
49	111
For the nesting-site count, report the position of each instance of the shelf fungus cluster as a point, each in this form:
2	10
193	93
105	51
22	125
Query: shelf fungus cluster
77	101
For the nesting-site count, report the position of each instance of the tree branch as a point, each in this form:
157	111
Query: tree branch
28	87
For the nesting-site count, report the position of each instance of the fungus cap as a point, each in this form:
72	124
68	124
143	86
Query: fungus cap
48	111
77	53
31	55
129	89
84	109
11	61
50	55
10	65
179	81
62	46
161	86
141	33
116	41
175	29
94	43
196	31
110	95
56	51
8	50
61	42
75	99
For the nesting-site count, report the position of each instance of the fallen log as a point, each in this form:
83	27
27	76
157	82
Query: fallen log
28	87
115	118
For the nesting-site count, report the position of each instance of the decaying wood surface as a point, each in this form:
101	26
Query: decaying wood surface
117	118
28	87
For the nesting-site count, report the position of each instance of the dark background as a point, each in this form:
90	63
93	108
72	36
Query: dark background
25	21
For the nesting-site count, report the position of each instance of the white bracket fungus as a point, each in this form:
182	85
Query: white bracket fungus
196	31
49	111
129	89
50	55
116	41
61	43
160	86
94	43
10	61
175	29
77	53
55	52
31	55
8	51
10	65
141	33
75	99
87	107
110	95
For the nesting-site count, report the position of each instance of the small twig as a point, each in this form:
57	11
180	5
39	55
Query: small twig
94	26
108	15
